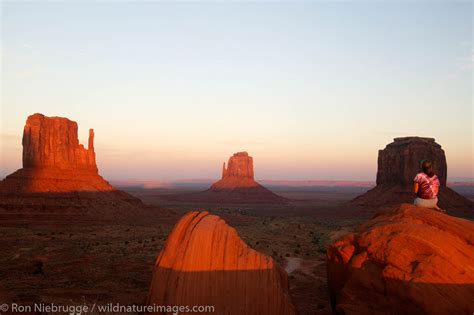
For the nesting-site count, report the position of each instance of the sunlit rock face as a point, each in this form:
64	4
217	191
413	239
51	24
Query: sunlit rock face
411	260
237	174
397	166
204	262
59	179
240	165
238	185
54	161
52	142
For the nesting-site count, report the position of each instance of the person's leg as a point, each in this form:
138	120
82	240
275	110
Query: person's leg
418	202
436	207
428	203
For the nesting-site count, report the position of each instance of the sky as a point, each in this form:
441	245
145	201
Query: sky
312	90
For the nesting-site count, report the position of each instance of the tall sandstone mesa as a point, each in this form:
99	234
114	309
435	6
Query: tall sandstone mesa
204	262
54	161
53	142
237	174
240	165
398	164
411	260
60	179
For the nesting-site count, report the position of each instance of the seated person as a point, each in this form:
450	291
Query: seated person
426	187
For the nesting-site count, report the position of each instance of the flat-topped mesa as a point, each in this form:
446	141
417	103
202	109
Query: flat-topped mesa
397	166
52	142
400	161
240	165
205	262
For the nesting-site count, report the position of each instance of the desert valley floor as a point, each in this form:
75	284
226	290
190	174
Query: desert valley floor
78	262
68	260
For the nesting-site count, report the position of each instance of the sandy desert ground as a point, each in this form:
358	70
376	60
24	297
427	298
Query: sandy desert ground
66	262
70	262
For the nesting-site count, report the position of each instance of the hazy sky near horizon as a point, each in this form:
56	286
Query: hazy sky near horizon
312	90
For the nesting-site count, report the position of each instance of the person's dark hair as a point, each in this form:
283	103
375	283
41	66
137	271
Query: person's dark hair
427	167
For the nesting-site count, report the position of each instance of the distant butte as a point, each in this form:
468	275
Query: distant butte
237	185
60	174
205	262
398	164
238	174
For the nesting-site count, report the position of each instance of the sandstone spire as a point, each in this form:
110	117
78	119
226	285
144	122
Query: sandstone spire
90	147
204	262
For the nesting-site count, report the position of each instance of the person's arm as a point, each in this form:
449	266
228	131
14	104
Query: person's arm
436	187
416	187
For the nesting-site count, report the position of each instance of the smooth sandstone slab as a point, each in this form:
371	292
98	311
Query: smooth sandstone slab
409	261
204	262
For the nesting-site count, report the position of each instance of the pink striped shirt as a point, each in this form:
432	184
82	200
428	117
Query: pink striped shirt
428	185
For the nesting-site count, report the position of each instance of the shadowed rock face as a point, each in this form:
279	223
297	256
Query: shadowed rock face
400	161
409	261
398	164
204	262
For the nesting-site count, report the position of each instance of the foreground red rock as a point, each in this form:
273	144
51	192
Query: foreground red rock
237	185
204	262
59	175
398	164
409	261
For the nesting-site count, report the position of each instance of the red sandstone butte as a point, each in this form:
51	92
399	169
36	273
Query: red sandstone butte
398	164
238	185
204	262
54	161
409	261
53	142
59	179
238	174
